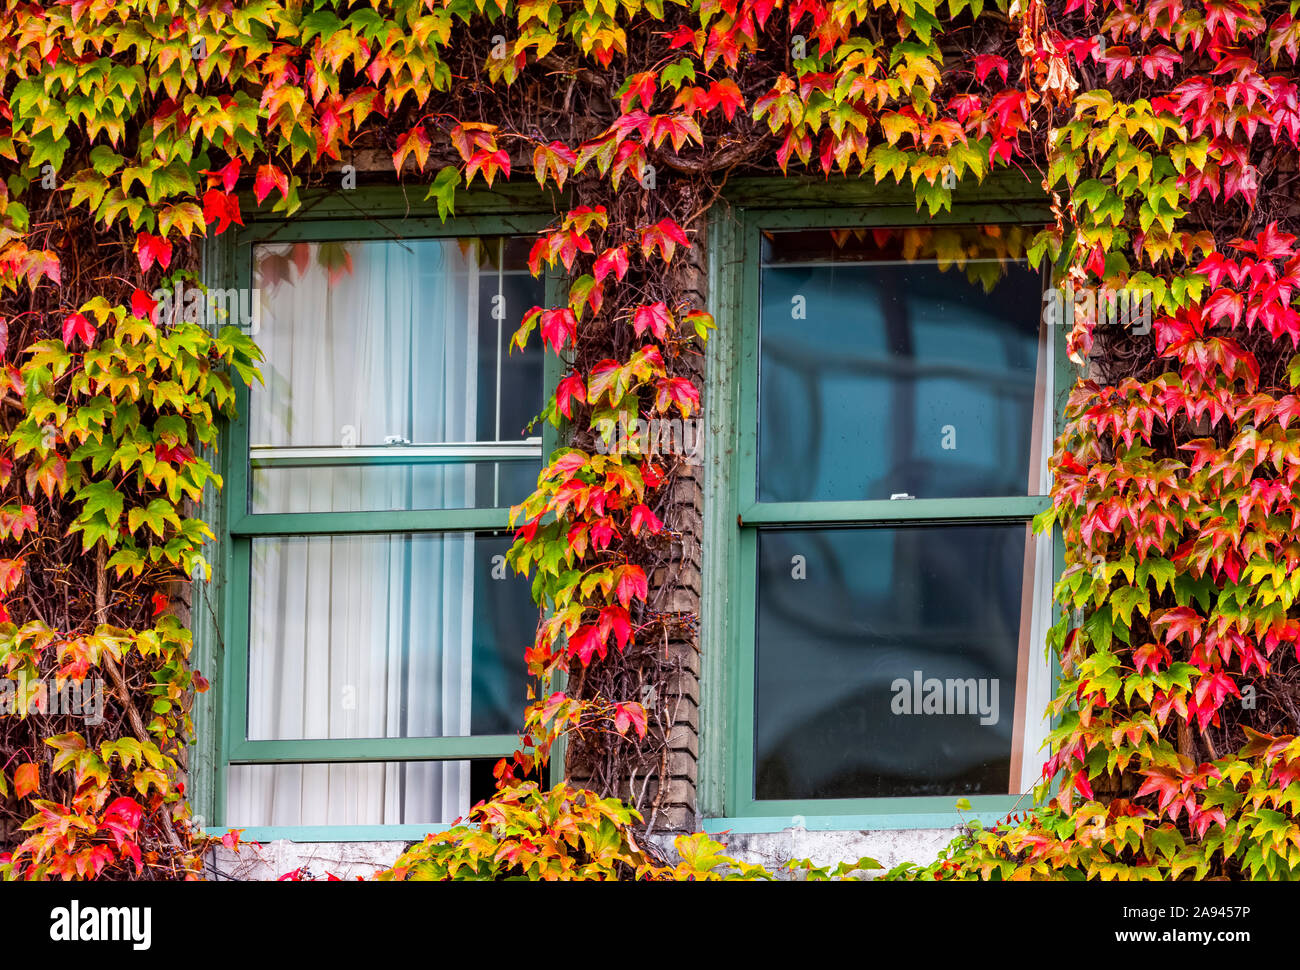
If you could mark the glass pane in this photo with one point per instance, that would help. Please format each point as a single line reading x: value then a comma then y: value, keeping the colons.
x: 386, y: 636
x: 392, y: 342
x: 378, y: 793
x: 900, y: 361
x: 889, y: 660
x: 382, y: 488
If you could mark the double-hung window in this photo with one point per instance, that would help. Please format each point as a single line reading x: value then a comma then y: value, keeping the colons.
x: 374, y: 634
x: 893, y: 382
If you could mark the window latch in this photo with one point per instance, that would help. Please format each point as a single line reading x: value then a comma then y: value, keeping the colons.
x: 900, y: 495
x: 396, y: 439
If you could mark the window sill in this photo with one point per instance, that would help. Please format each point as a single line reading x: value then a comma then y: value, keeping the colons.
x: 771, y: 824
x: 331, y: 833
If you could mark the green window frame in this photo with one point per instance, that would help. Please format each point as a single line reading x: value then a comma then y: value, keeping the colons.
x: 733, y: 513
x: 222, y: 605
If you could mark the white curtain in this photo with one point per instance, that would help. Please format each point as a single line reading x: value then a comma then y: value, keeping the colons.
x: 363, y: 636
x: 1034, y: 676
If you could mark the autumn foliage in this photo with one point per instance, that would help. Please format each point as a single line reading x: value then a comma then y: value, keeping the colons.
x: 1163, y: 132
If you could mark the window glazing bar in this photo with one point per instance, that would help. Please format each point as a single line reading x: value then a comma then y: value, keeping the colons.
x: 261, y: 456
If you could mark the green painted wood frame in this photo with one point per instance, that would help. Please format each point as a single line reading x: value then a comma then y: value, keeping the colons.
x: 725, y: 790
x: 221, y: 606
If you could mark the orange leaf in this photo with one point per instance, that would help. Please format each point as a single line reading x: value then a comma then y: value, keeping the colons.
x: 27, y: 779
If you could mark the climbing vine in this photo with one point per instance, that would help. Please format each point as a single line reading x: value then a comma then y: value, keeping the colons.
x: 1164, y: 133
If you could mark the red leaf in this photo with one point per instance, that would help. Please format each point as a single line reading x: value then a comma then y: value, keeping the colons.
x: 150, y: 248
x: 642, y: 516
x: 558, y: 325
x: 611, y: 261
x: 123, y: 818
x: 143, y: 305
x: 640, y: 87
x: 556, y: 158
x: 654, y: 318
x: 221, y: 208
x: 1097, y: 261
x: 227, y: 175
x: 14, y: 524
x: 666, y: 235
x: 727, y: 96
x: 176, y: 454
x: 1150, y: 655
x: 602, y: 532
x: 1081, y: 784
x: 76, y: 325
x: 679, y: 391
x: 630, y: 716
x: 964, y: 105
x: 1269, y: 244
x: 567, y: 391
x: 1210, y: 691
x: 11, y: 574
x: 585, y: 642
x: 984, y: 63
x: 680, y: 37
x: 269, y: 177
x: 631, y: 584
x: 615, y: 619
x: 569, y: 462
x: 489, y: 163
x: 1177, y: 621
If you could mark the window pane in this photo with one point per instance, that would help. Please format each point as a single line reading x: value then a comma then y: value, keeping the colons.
x: 890, y: 660
x: 887, y: 368
x: 382, y: 488
x: 386, y: 636
x: 379, y: 793
x: 391, y: 342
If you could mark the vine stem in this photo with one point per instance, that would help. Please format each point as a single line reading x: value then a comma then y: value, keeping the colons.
x: 119, y: 682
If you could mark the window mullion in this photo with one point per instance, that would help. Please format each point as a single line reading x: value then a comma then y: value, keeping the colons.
x: 450, y: 453
x: 370, y: 523
x: 340, y: 750
x: 898, y: 510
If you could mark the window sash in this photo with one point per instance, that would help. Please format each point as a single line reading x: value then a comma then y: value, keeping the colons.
x: 753, y: 224
x: 870, y: 511
x: 747, y: 513
x: 241, y: 525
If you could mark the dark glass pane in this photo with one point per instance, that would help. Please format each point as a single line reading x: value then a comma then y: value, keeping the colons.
x: 517, y: 376
x: 888, y: 368
x: 505, y: 622
x: 855, y: 626
x: 386, y: 636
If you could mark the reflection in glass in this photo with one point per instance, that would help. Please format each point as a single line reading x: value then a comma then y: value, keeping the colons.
x: 899, y: 361
x: 386, y: 636
x: 855, y: 626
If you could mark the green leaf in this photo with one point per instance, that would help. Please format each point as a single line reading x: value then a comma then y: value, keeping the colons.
x: 101, y: 497
x: 444, y: 191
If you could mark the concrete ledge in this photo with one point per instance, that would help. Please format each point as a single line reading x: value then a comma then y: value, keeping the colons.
x: 268, y: 861
x: 889, y: 847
